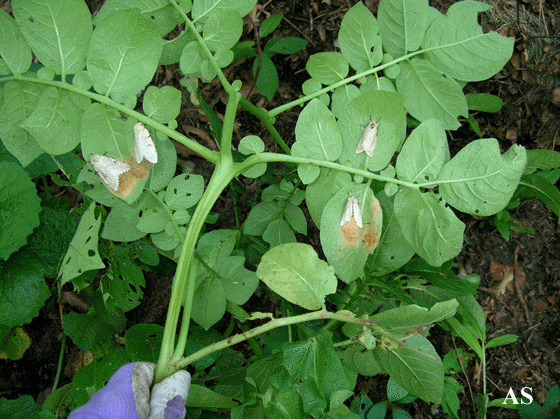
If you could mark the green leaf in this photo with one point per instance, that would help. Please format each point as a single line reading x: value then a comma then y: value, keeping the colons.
x: 173, y: 49
x: 393, y: 251
x: 162, y: 105
x: 318, y: 193
x: 19, y: 208
x: 428, y: 93
x: 372, y: 106
x: 534, y: 185
x: 121, y: 286
x: 238, y: 282
x: 209, y: 303
x: 20, y: 98
x: 286, y: 405
x: 200, y: 339
x: 315, y: 371
x: 443, y: 277
x: 431, y: 228
x: 251, y: 144
x: 22, y: 290
x: 87, y: 331
x: 424, y: 153
x: 82, y: 254
x: 123, y: 54
x: 55, y: 122
x: 153, y: 218
x: 270, y: 24
x: 501, y: 340
x: 267, y: 79
x: 143, y: 342
x: 260, y: 217
x: 49, y: 248
x: 278, y: 232
x: 58, y: 31
x: 13, y: 47
x: 296, y: 218
x: 341, y: 97
x: 327, y: 67
x: 401, y: 320
x: 285, y: 46
x: 221, y: 277
x: 184, y: 191
x: 160, y: 12
x: 203, y: 9
x: 104, y: 132
x: 317, y: 132
x: 402, y: 25
x: 358, y: 39
x: 222, y: 30
x: 164, y: 170
x: 203, y: 397
x: 192, y: 58
x: 457, y: 44
x: 450, y: 401
x: 15, y: 342
x: 121, y: 223
x: 484, y: 102
x: 542, y: 159
x: 23, y: 407
x: 467, y: 336
x: 296, y: 273
x: 415, y: 366
x: 480, y: 181
x: 348, y: 246
x: 363, y: 362
x: 95, y: 375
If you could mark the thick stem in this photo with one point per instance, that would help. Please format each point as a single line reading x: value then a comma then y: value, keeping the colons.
x: 223, y: 174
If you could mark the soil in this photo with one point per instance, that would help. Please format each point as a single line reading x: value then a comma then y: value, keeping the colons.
x: 527, y: 306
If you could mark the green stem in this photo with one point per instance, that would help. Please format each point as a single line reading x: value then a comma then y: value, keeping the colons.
x: 187, y: 310
x: 273, y: 157
x: 302, y: 100
x: 274, y: 323
x: 227, y: 129
x: 223, y: 174
x: 60, y: 359
x: 223, y: 80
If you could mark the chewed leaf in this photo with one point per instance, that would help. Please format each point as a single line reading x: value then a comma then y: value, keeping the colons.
x: 481, y: 181
x: 350, y: 229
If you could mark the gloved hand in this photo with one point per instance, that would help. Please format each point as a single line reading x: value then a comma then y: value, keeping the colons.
x: 127, y: 395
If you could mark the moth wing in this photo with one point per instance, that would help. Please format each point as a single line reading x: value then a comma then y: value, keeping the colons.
x: 109, y: 169
x: 356, y: 211
x: 144, y: 147
x: 347, y: 214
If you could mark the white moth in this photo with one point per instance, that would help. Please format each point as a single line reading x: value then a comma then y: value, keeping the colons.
x: 352, y: 209
x: 144, y: 147
x: 109, y: 169
x: 368, y: 140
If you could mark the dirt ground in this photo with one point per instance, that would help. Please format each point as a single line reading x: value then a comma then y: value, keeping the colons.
x: 529, y: 85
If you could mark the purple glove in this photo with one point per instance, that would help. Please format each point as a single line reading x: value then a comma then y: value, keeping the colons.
x: 127, y: 395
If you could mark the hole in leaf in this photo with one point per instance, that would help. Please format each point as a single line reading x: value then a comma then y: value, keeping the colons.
x: 91, y: 253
